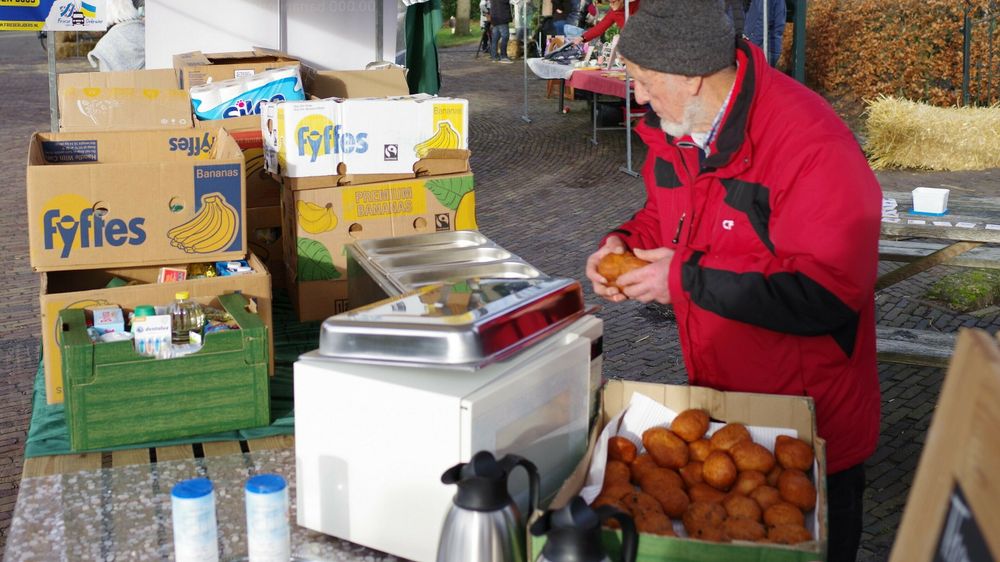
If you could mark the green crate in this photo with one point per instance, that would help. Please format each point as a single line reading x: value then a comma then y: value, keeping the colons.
x: 114, y: 396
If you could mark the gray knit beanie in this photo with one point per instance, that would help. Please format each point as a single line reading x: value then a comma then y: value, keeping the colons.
x: 686, y: 37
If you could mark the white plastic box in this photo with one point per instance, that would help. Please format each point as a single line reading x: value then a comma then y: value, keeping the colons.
x: 930, y: 200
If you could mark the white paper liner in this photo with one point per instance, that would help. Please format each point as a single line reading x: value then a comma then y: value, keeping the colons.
x: 643, y: 413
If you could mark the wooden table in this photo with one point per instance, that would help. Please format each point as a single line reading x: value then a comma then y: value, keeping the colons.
x: 971, y: 222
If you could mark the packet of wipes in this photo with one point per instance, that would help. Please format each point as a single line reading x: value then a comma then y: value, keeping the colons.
x: 243, y: 96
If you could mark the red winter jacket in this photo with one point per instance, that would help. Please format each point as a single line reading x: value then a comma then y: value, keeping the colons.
x: 616, y: 17
x: 776, y: 239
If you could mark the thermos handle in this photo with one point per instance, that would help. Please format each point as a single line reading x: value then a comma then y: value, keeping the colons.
x: 630, y: 539
x: 534, y: 483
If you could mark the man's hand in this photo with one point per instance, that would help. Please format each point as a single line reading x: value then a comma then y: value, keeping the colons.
x: 649, y: 283
x: 613, y: 245
x: 578, y: 39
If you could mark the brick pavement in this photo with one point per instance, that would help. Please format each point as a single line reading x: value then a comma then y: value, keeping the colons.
x: 544, y: 192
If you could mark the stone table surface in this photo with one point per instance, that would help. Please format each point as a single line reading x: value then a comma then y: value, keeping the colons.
x: 124, y: 513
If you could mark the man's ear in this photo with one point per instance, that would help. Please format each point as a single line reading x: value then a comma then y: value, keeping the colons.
x: 693, y: 84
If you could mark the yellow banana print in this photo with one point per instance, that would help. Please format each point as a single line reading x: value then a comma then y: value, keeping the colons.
x: 314, y: 218
x: 445, y: 137
x: 212, y: 229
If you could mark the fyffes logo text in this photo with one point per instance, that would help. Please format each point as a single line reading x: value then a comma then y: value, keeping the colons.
x: 70, y: 222
x: 318, y: 136
x: 193, y: 146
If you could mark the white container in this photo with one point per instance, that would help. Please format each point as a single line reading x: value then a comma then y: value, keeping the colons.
x: 268, y: 534
x: 371, y: 441
x: 930, y: 200
x: 192, y: 504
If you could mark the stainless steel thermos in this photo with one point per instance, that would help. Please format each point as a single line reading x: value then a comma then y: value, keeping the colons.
x: 573, y: 533
x: 484, y: 524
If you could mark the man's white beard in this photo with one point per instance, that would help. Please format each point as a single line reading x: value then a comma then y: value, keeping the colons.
x: 692, y: 111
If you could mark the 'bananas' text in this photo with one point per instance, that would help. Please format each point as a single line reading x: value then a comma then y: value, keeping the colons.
x: 91, y: 228
x: 331, y: 139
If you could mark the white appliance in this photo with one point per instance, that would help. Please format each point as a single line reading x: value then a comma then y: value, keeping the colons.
x: 371, y: 440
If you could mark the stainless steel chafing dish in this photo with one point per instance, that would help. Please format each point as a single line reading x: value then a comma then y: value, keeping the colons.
x: 467, y: 324
x: 393, y: 266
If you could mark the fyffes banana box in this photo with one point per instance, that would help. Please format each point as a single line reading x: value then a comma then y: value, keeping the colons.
x: 360, y: 135
x: 114, y: 199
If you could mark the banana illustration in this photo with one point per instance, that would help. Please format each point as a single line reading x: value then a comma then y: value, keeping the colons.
x: 212, y: 229
x: 315, y: 218
x: 445, y: 137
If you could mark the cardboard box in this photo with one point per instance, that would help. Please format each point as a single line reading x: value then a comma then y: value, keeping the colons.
x: 953, y: 511
x: 262, y: 189
x: 794, y: 412
x: 196, y: 68
x: 318, y: 223
x: 375, y: 83
x: 360, y: 135
x: 115, y: 199
x: 265, y: 240
x: 120, y: 101
x: 114, y: 396
x: 84, y: 289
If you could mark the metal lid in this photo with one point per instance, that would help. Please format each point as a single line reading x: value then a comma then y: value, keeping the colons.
x: 466, y: 324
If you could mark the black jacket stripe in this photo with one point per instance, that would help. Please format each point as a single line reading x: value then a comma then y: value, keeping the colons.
x: 789, y: 303
x: 753, y: 200
x: 665, y: 174
x: 734, y: 128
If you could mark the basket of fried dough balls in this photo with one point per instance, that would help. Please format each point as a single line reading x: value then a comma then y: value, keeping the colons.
x: 723, y: 488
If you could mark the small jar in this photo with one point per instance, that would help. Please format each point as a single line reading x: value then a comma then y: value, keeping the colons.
x: 268, y: 533
x: 193, y: 512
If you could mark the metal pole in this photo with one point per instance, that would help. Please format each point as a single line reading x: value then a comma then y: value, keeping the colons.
x: 50, y: 47
x: 966, y: 55
x: 524, y: 55
x: 379, y: 8
x: 767, y: 54
x: 627, y: 168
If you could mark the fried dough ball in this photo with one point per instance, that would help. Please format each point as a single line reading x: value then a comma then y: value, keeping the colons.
x: 641, y: 465
x: 793, y: 453
x: 766, y: 496
x: 743, y: 529
x: 640, y: 502
x: 772, y: 477
x: 621, y: 449
x: 660, y: 478
x: 691, y: 473
x: 750, y: 456
x: 748, y: 481
x: 616, y: 490
x: 789, y: 534
x: 705, y: 521
x: 673, y: 500
x: 702, y: 492
x: 700, y: 449
x: 690, y: 425
x: 654, y: 523
x: 742, y: 506
x: 668, y: 450
x: 616, y: 471
x: 783, y: 513
x: 729, y: 435
x: 718, y: 470
x: 614, y: 265
x: 796, y: 489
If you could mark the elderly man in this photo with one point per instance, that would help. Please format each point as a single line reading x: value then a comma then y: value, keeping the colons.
x: 761, y: 224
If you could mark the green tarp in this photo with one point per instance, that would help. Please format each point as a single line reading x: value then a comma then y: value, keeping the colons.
x: 423, y: 20
x: 47, y: 433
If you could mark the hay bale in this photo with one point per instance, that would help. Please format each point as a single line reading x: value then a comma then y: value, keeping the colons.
x: 907, y: 134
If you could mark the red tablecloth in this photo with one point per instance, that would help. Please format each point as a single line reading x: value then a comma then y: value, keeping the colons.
x: 606, y: 82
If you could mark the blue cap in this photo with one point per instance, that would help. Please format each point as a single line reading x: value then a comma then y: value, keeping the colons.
x: 192, y: 489
x: 265, y: 484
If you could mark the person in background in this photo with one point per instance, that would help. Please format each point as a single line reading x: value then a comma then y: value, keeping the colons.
x: 500, y: 17
x: 761, y: 225
x: 615, y: 16
x: 560, y: 12
x: 123, y: 46
x: 753, y: 26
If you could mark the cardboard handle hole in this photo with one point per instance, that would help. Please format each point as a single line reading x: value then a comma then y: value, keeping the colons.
x: 100, y: 209
x: 420, y: 224
x: 177, y: 204
x: 355, y: 230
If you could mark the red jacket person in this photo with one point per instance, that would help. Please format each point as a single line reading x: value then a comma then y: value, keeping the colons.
x: 762, y: 223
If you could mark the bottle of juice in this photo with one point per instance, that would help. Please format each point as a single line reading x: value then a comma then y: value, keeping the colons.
x: 186, y: 316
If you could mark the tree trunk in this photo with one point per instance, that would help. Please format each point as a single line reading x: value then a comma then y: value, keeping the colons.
x: 462, y: 17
